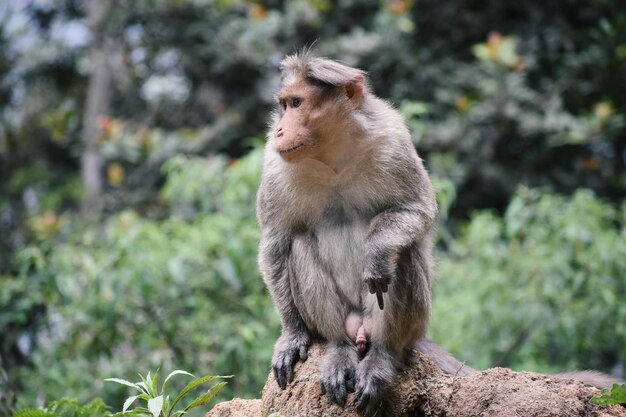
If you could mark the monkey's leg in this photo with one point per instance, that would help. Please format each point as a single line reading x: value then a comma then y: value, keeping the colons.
x: 392, y: 330
x: 337, y: 371
x: 292, y: 345
x: 326, y: 311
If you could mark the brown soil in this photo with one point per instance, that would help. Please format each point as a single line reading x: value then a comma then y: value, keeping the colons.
x: 423, y: 390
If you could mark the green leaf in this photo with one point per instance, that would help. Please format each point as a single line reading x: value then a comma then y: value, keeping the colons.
x: 206, y: 397
x: 32, y: 412
x: 616, y: 395
x: 155, y: 405
x: 146, y: 389
x: 154, y: 382
x: 137, y: 411
x: 128, y: 402
x: 148, y: 383
x: 125, y: 382
x: 174, y: 373
x: 195, y: 383
x: 166, y: 406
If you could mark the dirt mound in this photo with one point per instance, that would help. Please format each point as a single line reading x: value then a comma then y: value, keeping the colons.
x: 423, y: 390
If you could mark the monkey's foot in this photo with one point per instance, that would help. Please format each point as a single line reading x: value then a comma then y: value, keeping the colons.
x: 337, y: 371
x: 290, y: 347
x: 374, y: 375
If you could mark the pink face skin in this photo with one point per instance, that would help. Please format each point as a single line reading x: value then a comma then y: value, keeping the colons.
x: 309, y: 120
x: 356, y: 330
x: 299, y: 133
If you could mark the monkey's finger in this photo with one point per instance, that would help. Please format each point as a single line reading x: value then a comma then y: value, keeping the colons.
x: 288, y: 373
x: 338, y: 388
x: 280, y: 380
x: 381, y: 301
x: 341, y: 394
x: 362, y: 400
x: 304, y: 354
x: 350, y: 380
x: 371, y: 287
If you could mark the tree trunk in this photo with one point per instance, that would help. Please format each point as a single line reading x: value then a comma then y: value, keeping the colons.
x: 97, y: 106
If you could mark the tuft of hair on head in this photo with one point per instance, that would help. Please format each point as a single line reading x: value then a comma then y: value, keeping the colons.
x: 304, y: 65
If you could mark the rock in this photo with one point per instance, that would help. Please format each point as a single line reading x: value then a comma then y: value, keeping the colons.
x: 236, y: 408
x: 423, y: 390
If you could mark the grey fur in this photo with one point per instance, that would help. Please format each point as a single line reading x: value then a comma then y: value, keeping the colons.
x: 593, y: 378
x: 317, y: 69
x: 329, y: 240
x: 446, y: 362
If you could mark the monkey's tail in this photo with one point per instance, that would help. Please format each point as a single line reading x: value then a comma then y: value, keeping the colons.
x: 593, y: 378
x: 446, y: 362
x: 451, y: 366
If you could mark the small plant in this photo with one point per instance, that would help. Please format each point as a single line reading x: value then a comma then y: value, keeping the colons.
x: 67, y: 407
x: 615, y: 396
x: 158, y: 405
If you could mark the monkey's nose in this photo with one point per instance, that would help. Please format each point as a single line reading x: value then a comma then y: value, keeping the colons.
x: 279, y: 132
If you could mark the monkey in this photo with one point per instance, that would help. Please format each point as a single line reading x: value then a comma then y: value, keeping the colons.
x: 347, y: 212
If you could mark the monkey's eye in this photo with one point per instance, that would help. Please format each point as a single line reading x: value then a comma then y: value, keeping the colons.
x: 295, y: 101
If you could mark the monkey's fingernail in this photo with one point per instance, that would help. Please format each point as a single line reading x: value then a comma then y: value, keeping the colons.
x: 381, y: 303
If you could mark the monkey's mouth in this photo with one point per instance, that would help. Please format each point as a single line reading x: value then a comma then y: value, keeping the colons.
x: 288, y: 150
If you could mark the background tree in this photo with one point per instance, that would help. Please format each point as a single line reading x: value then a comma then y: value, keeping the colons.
x: 97, y: 106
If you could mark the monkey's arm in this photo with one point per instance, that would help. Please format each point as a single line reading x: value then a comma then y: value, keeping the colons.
x: 292, y: 345
x: 390, y: 231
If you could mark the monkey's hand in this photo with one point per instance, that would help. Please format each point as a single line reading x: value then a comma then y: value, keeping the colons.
x: 378, y: 275
x: 290, y: 347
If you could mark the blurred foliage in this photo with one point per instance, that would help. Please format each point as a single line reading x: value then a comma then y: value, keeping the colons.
x: 136, y: 293
x: 615, y: 395
x: 496, y: 94
x: 67, y: 407
x: 544, y: 284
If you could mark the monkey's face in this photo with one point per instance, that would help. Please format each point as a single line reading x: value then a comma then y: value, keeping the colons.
x: 303, y: 121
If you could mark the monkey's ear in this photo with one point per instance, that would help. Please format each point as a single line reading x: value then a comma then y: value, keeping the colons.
x: 354, y: 90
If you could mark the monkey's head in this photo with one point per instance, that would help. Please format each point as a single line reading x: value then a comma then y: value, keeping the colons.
x: 315, y: 105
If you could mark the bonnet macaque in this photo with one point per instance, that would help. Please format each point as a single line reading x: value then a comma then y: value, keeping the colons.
x: 346, y: 210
